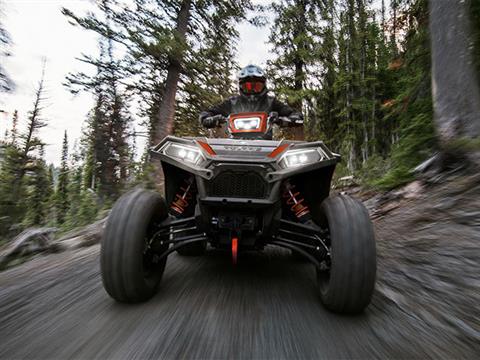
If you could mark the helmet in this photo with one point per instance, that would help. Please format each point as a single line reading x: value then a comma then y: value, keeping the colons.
x: 252, y: 81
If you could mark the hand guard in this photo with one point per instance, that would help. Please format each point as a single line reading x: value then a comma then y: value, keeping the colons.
x: 296, y: 119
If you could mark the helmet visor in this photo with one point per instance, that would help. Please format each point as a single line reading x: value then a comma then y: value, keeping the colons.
x: 252, y: 87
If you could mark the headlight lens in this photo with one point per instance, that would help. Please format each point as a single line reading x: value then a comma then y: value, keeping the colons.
x: 295, y: 158
x: 251, y: 123
x: 183, y: 153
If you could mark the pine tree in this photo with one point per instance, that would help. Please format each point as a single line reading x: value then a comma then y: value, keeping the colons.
x: 207, y: 79
x: 88, y: 207
x: 296, y: 41
x: 39, y: 193
x: 160, y: 37
x: 19, y: 160
x: 50, y: 207
x: 11, y: 210
x: 412, y: 105
x: 74, y: 197
x: 61, y: 196
x: 106, y: 137
x: 324, y: 124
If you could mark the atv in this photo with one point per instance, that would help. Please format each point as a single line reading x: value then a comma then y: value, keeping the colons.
x: 242, y: 193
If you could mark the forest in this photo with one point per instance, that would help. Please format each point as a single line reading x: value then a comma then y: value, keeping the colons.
x: 360, y: 71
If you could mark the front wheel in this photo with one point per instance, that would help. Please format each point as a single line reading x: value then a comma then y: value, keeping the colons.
x: 347, y: 286
x: 130, y: 269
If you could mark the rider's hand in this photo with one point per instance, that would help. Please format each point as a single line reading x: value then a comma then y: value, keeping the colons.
x: 212, y: 121
x: 273, y: 117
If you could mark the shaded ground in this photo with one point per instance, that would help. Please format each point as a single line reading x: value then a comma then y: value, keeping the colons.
x: 426, y: 303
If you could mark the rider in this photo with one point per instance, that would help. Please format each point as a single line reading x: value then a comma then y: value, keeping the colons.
x: 253, y: 97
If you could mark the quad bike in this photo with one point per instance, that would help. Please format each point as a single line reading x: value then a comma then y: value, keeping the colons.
x: 239, y: 194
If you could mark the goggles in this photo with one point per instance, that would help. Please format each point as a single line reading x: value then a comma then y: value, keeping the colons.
x: 252, y: 87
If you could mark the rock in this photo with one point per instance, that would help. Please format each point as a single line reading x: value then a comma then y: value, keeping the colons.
x: 412, y: 190
x: 30, y: 241
x: 86, y: 236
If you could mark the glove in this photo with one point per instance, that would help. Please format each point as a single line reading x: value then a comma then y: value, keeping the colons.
x: 212, y: 121
x: 273, y: 117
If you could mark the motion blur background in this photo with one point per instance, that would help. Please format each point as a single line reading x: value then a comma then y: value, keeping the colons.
x: 87, y: 86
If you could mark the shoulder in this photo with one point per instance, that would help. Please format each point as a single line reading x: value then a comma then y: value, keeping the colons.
x: 272, y: 98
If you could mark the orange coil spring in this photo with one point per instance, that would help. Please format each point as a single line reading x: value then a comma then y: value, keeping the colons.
x: 295, y: 202
x: 182, y: 198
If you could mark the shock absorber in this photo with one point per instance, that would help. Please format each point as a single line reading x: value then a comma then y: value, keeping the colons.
x: 296, y: 202
x: 182, y: 198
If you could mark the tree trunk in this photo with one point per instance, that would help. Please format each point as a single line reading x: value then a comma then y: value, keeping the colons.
x: 455, y: 83
x: 166, y: 112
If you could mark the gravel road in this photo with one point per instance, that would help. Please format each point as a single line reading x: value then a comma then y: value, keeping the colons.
x: 54, y: 306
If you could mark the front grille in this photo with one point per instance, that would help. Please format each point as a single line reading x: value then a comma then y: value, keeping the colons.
x: 238, y: 184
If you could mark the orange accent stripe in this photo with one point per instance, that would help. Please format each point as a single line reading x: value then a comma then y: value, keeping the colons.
x: 234, y: 250
x: 206, y: 147
x: 278, y: 150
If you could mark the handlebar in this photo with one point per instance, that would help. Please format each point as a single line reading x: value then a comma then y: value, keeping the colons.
x: 273, y: 118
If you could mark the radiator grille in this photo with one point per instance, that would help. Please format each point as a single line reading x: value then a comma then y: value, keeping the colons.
x: 239, y: 184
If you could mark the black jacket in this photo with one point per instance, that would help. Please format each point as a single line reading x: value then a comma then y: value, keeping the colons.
x: 240, y: 104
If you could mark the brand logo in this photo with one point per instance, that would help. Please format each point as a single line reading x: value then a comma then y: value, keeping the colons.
x: 243, y: 148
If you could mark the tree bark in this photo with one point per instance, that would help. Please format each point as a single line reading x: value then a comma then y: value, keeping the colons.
x: 455, y: 83
x: 166, y: 112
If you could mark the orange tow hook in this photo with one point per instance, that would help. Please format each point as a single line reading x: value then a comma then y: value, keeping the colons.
x: 234, y: 250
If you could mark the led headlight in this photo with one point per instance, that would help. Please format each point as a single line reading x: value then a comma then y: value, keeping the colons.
x: 295, y: 158
x: 183, y: 153
x: 251, y: 123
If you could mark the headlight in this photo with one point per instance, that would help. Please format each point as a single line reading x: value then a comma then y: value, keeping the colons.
x: 295, y: 158
x: 247, y: 123
x: 183, y: 153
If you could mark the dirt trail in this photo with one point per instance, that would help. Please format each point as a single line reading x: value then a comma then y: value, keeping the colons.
x: 425, y: 305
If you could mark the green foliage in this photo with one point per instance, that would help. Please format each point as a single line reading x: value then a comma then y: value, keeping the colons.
x: 38, y: 194
x: 12, y: 188
x: 295, y: 37
x: 364, y: 84
x: 88, y: 207
x: 207, y: 79
x: 20, y: 166
x: 372, y: 170
x: 413, y: 105
x: 105, y: 142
